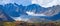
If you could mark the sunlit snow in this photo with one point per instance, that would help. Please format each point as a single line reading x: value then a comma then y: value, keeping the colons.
x: 33, y: 14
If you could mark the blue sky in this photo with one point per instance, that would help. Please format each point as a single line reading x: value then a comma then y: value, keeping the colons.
x: 23, y: 2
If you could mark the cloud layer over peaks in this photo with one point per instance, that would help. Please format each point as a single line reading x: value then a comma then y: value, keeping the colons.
x: 46, y: 3
x: 43, y: 3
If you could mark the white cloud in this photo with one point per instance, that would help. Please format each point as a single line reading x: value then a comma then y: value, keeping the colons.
x: 46, y: 3
x: 33, y: 14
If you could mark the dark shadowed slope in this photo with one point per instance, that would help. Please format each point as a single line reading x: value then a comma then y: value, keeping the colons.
x: 4, y: 16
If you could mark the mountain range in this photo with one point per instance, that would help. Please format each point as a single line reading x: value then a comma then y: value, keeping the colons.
x: 15, y: 10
